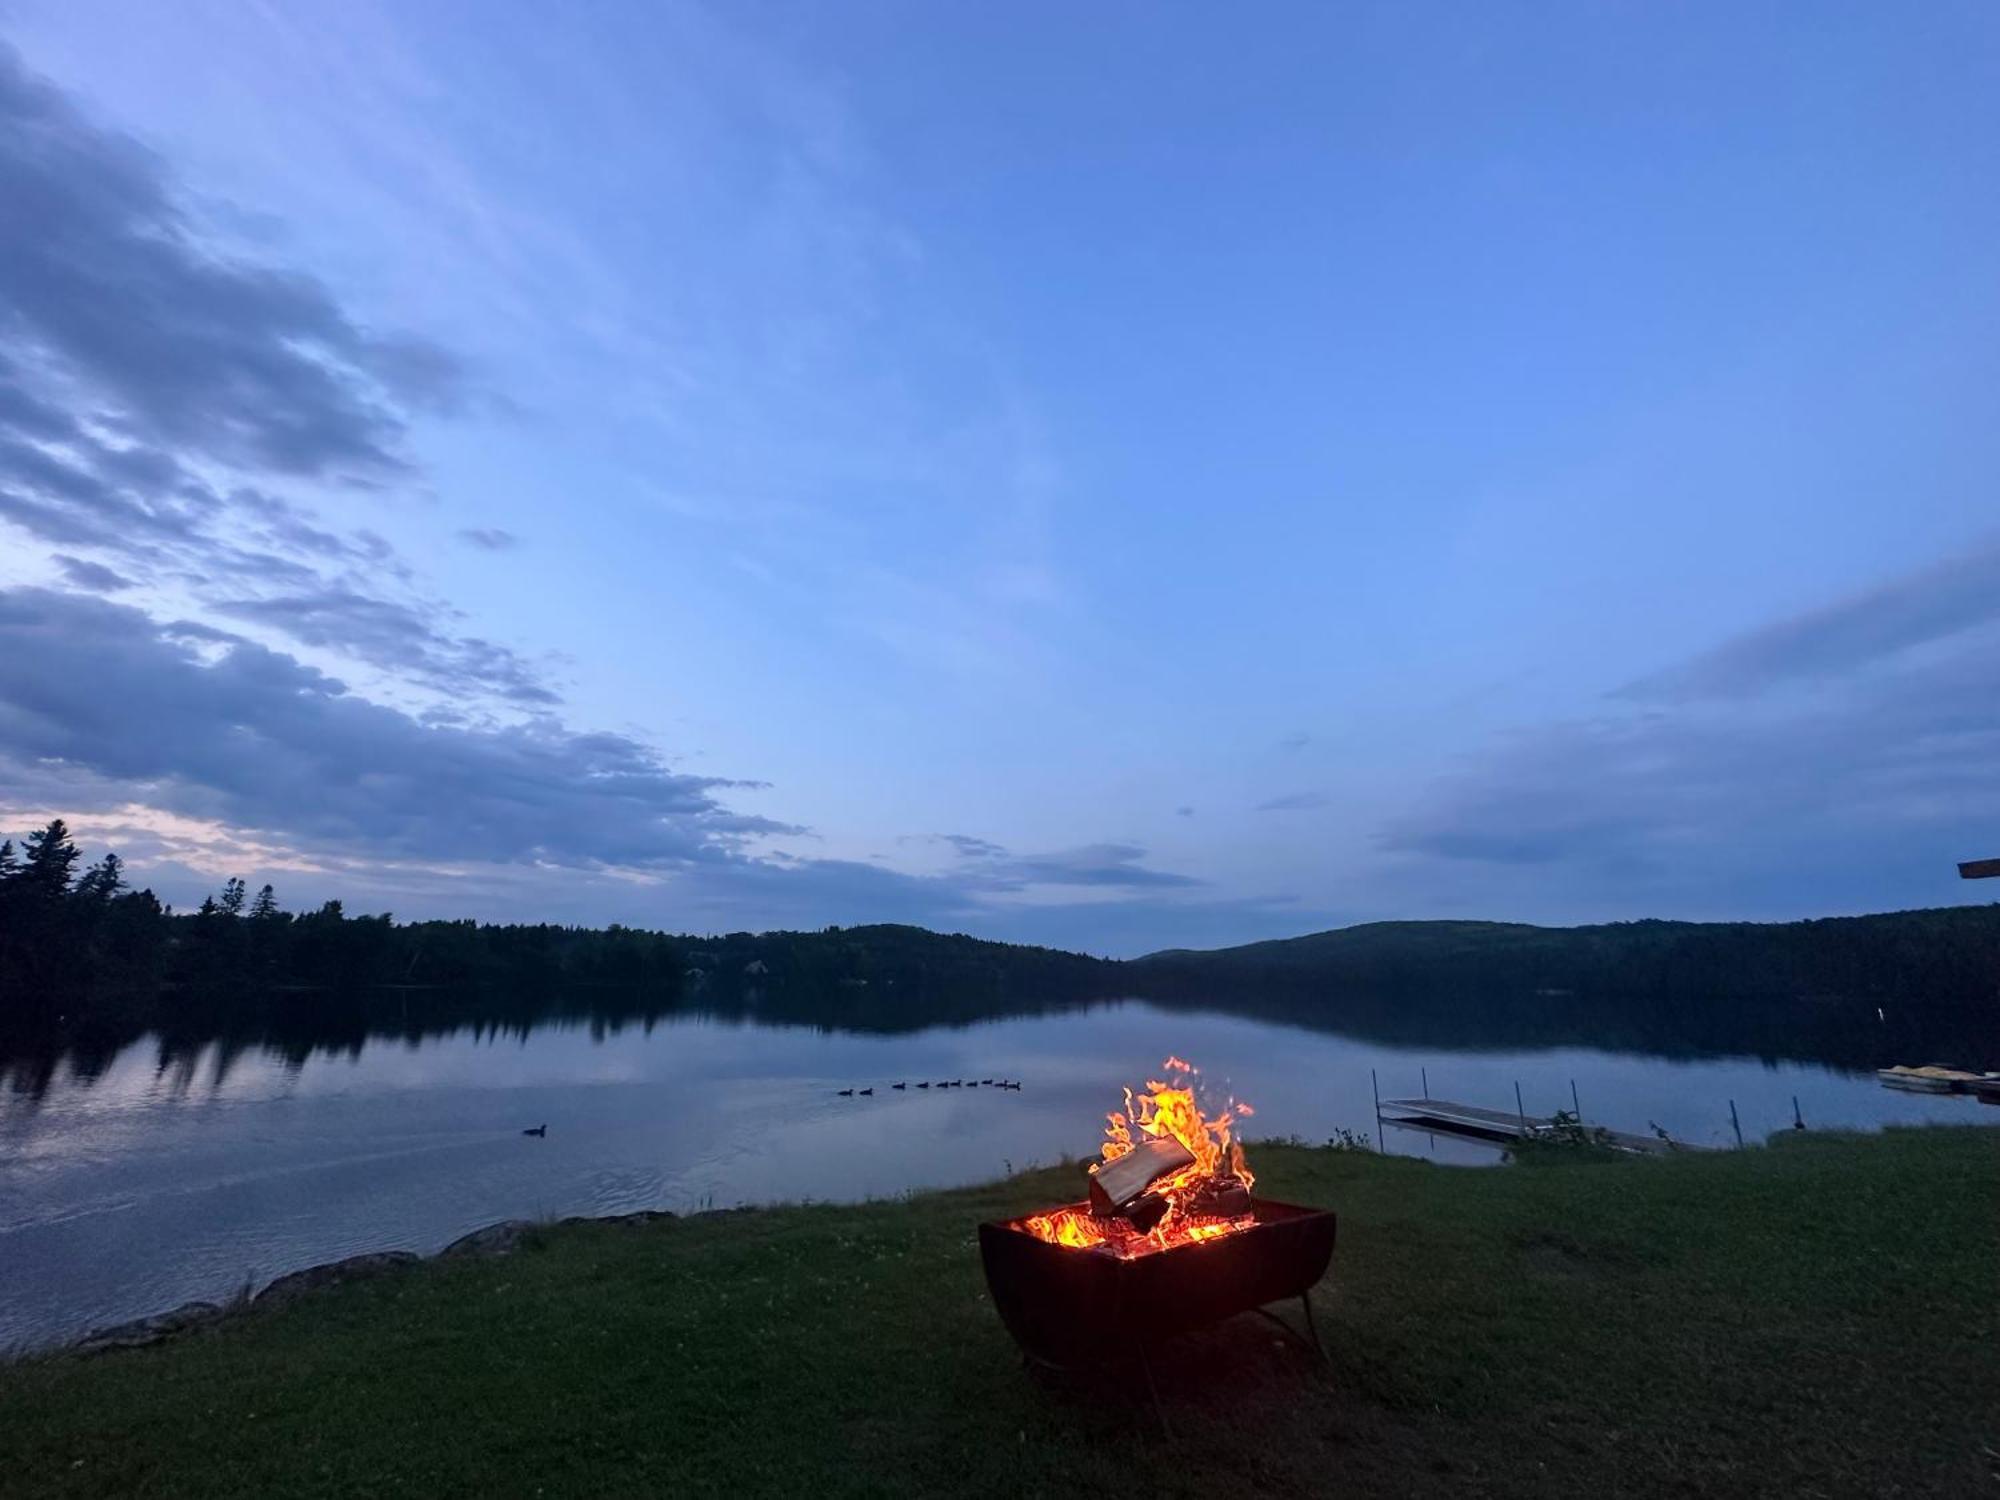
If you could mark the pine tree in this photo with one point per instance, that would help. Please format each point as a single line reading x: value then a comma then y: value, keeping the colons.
x: 265, y: 906
x: 102, y: 881
x: 10, y: 865
x: 232, y: 896
x: 50, y: 854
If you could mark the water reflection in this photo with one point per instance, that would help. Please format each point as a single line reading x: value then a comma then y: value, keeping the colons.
x: 136, y: 1176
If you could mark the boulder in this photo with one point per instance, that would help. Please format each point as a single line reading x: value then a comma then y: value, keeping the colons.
x: 642, y: 1216
x: 312, y: 1278
x: 495, y: 1239
x: 142, y: 1331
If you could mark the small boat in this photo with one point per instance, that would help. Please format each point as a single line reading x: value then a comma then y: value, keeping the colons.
x: 1928, y: 1080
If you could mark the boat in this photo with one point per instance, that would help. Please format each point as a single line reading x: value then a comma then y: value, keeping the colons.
x: 1987, y: 1089
x: 1933, y: 1079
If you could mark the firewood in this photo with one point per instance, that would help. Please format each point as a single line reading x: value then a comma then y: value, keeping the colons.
x: 1145, y: 1211
x: 1116, y: 1183
x: 1228, y: 1199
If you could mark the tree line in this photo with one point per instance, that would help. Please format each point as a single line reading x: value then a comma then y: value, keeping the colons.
x: 80, y: 950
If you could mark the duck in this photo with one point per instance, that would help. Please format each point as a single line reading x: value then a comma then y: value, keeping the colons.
x: 847, y: 1093
x: 923, y: 1085
x: 536, y: 1130
x: 866, y: 1092
x: 985, y: 1083
x: 898, y: 1085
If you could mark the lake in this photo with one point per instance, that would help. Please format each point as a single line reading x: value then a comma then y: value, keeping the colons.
x: 153, y: 1176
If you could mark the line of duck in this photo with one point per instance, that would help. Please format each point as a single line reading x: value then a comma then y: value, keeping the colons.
x: 954, y: 1083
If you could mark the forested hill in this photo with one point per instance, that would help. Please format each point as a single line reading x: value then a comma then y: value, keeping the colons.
x: 82, y: 955
x: 1946, y: 955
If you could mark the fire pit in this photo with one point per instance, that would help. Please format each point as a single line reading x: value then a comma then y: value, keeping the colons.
x: 1169, y: 1240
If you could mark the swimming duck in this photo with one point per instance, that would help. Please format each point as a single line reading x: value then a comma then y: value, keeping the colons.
x: 866, y: 1092
x: 847, y: 1093
x: 536, y: 1130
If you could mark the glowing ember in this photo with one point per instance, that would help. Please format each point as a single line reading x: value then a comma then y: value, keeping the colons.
x: 1201, y: 1198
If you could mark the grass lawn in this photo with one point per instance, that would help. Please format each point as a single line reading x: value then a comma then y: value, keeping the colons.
x: 1821, y: 1317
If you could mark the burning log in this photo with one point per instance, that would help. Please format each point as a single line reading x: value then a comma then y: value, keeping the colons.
x: 1115, y: 1184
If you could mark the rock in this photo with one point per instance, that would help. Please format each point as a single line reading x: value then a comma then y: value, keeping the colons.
x: 312, y: 1278
x: 642, y: 1216
x: 142, y: 1331
x: 495, y: 1239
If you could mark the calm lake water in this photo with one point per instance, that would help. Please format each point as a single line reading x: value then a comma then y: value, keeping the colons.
x: 145, y: 1185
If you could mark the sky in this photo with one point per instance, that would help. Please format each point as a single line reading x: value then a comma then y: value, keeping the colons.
x: 1119, y: 477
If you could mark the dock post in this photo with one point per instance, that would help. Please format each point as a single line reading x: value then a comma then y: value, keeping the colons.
x: 1736, y: 1124
x: 1425, y: 1074
x: 1375, y: 1087
x: 1798, y: 1120
x: 1520, y: 1108
x: 1575, y: 1103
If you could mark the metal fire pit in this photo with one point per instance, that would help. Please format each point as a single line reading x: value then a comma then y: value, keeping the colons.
x: 1068, y: 1307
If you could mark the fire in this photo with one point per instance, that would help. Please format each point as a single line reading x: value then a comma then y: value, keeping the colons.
x: 1167, y: 1107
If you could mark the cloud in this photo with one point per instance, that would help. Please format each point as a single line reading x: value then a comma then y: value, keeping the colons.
x: 1822, y: 755
x: 193, y: 721
x: 489, y: 538
x: 252, y: 761
x: 111, y: 290
x: 1293, y: 802
x: 1925, y: 606
x: 1107, y: 866
x: 89, y: 575
x: 152, y: 387
x: 397, y: 637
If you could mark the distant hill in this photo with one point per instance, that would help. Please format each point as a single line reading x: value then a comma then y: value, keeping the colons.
x: 1855, y: 992
x: 1945, y: 955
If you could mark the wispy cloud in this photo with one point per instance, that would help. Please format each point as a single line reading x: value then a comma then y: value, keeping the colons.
x: 1932, y: 604
x: 1114, y: 866
x: 1848, y: 752
x: 236, y: 732
x: 154, y: 388
x: 1293, y: 802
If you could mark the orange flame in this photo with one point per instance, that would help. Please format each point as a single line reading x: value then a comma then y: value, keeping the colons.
x: 1163, y: 1109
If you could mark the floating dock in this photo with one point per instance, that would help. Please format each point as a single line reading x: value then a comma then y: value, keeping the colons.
x: 1503, y: 1127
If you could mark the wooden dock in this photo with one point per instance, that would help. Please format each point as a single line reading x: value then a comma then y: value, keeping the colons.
x: 1501, y: 1126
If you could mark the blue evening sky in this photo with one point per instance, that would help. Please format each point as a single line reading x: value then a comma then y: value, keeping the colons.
x: 1117, y: 476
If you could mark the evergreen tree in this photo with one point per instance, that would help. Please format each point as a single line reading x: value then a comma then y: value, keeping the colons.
x: 209, y: 908
x: 50, y: 854
x: 232, y: 896
x: 10, y: 864
x: 265, y: 907
x: 102, y: 881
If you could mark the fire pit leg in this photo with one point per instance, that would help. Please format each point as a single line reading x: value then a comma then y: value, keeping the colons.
x: 1306, y: 1298
x: 1313, y: 1343
x: 1159, y: 1411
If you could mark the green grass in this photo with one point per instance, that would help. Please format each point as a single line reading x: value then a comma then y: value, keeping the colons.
x: 1817, y: 1318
